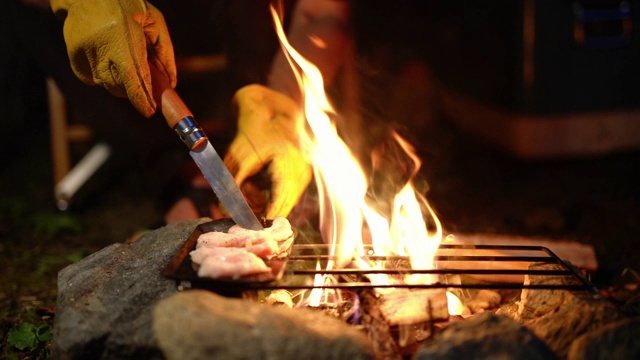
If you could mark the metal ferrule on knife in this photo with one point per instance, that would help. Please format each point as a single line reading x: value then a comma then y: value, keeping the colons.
x: 190, y: 133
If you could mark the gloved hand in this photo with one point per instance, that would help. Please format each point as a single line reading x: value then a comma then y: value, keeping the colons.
x: 267, y: 122
x: 110, y: 42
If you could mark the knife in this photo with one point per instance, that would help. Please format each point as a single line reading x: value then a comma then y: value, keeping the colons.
x: 181, y: 120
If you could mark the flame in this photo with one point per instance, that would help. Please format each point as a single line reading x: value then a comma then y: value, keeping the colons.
x: 455, y: 305
x: 315, y: 298
x: 318, y: 42
x: 342, y: 186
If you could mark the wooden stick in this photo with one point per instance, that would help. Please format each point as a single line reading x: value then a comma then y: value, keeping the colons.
x: 169, y: 102
x: 384, y: 345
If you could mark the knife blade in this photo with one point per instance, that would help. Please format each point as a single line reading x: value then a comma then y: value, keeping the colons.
x: 225, y: 187
x: 180, y: 118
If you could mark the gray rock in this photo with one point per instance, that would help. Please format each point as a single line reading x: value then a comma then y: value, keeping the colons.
x: 485, y: 336
x: 558, y: 317
x: 197, y: 324
x: 104, y: 305
x: 618, y: 340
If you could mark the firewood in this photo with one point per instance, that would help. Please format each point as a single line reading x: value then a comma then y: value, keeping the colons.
x: 414, y: 306
x: 484, y: 299
x: 384, y: 345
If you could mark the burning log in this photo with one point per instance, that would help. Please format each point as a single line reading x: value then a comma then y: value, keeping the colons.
x: 407, y: 306
x: 399, y: 321
x: 384, y: 345
x: 483, y: 300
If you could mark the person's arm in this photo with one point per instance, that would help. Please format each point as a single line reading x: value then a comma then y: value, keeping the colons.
x: 110, y: 43
x: 319, y: 31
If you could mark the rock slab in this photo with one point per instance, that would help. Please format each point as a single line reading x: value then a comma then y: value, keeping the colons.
x: 618, y: 340
x: 197, y: 324
x: 558, y: 317
x: 485, y: 336
x: 105, y: 301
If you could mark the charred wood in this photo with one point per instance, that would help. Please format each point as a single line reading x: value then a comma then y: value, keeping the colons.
x: 384, y: 345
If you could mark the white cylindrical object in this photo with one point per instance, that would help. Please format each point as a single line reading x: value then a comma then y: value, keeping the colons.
x: 80, y: 173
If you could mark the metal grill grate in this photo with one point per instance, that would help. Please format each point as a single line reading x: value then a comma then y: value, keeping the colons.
x: 304, y: 258
x: 298, y: 270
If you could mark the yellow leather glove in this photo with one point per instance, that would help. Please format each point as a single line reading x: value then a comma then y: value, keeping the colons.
x: 110, y: 42
x: 267, y: 122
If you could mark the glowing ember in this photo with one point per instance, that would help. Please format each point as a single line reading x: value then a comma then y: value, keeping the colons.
x: 342, y: 186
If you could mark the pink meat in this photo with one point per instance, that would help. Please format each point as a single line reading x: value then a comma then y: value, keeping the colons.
x: 239, y: 252
x: 221, y: 239
x: 279, y: 230
x: 263, y: 248
x: 264, y: 243
x: 224, y: 262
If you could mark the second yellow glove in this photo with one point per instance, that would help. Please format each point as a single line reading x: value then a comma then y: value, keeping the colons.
x: 267, y: 122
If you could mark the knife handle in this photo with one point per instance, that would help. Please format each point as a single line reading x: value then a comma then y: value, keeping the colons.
x: 175, y: 111
x: 168, y: 100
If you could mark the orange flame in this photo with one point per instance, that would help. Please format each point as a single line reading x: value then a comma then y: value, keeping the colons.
x: 315, y: 298
x: 455, y: 305
x: 342, y: 187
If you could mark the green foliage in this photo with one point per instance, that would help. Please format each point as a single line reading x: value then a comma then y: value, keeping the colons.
x: 50, y: 224
x: 49, y: 262
x: 31, y: 338
x: 13, y: 207
x: 75, y: 257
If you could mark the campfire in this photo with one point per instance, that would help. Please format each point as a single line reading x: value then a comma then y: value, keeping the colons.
x: 380, y: 280
x: 351, y: 215
x: 382, y: 262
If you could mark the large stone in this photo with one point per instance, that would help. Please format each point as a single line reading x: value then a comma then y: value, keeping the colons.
x: 105, y: 301
x: 485, y: 336
x: 558, y: 317
x: 618, y: 340
x: 198, y: 324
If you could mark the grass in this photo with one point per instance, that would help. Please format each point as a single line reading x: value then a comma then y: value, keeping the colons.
x: 30, y: 266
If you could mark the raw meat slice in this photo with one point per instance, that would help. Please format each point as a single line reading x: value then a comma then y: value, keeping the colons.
x: 279, y: 230
x: 264, y: 243
x: 224, y: 262
x: 222, y: 239
x: 239, y: 252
